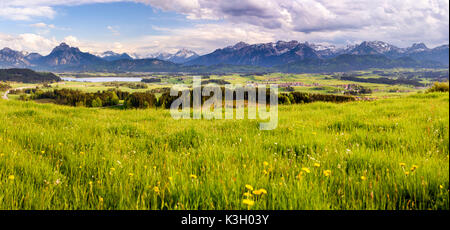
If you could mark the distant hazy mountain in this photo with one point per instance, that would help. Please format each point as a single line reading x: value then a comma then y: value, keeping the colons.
x: 112, y: 56
x: 279, y: 53
x: 291, y: 56
x: 64, y: 56
x: 266, y: 54
x: 351, y: 62
x: 181, y: 56
x: 12, y: 58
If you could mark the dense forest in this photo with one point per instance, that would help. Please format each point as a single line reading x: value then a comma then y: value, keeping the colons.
x: 27, y: 76
x: 148, y: 99
x: 383, y: 80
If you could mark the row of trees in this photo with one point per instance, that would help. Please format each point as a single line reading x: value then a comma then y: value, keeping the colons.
x: 79, y: 98
x: 300, y: 98
x: 130, y: 85
x: 144, y: 100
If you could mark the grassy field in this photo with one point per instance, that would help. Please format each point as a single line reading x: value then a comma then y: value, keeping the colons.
x: 384, y: 154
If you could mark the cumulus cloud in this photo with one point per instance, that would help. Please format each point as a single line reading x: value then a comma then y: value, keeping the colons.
x: 28, y: 42
x: 26, y: 13
x: 400, y: 22
x: 42, y: 25
x: 114, y: 30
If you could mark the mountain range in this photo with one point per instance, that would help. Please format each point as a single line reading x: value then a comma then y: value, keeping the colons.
x: 291, y: 56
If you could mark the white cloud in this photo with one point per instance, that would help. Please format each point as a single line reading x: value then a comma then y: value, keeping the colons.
x: 26, y: 13
x: 28, y: 42
x: 400, y: 22
x: 114, y: 30
x: 42, y: 25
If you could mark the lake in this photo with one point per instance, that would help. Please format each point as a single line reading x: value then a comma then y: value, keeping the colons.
x: 102, y: 79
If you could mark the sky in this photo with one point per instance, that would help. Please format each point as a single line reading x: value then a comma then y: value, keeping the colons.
x: 148, y: 26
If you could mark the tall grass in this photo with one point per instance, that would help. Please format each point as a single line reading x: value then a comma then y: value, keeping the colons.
x: 386, y: 154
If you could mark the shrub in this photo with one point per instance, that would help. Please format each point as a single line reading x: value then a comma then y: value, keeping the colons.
x: 438, y: 87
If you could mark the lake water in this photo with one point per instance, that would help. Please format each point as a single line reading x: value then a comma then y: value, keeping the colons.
x: 102, y: 79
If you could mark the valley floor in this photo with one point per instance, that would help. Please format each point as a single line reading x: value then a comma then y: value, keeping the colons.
x: 383, y: 154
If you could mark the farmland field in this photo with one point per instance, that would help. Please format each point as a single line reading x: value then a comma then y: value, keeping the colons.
x: 390, y: 153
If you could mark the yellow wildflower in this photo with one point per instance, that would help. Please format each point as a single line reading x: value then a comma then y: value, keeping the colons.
x: 130, y: 174
x: 306, y: 170
x: 248, y: 202
x: 193, y: 176
x: 260, y: 192
x: 257, y: 192
x: 407, y: 173
x: 249, y: 187
x: 441, y: 186
x: 170, y: 178
x: 156, y: 189
x: 100, y: 199
x: 316, y: 165
x: 326, y: 173
x: 414, y: 167
x: 247, y: 194
x: 265, y: 163
x: 402, y: 164
x: 11, y: 177
x: 363, y: 178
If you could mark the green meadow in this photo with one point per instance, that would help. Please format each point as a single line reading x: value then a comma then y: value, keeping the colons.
x: 386, y: 154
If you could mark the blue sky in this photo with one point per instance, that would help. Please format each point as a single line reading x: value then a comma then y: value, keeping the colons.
x: 148, y: 26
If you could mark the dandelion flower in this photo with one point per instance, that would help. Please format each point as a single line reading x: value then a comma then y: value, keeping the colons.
x: 407, y: 173
x: 260, y: 192
x: 130, y: 174
x: 11, y: 177
x: 402, y: 164
x: 156, y: 189
x: 316, y: 165
x: 248, y: 202
x: 441, y: 186
x: 257, y: 192
x: 414, y: 167
x: 327, y: 173
x: 363, y: 178
x: 247, y: 194
x: 266, y: 163
x: 170, y: 178
x: 193, y: 176
x: 100, y: 199
x: 306, y: 170
x: 249, y: 187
